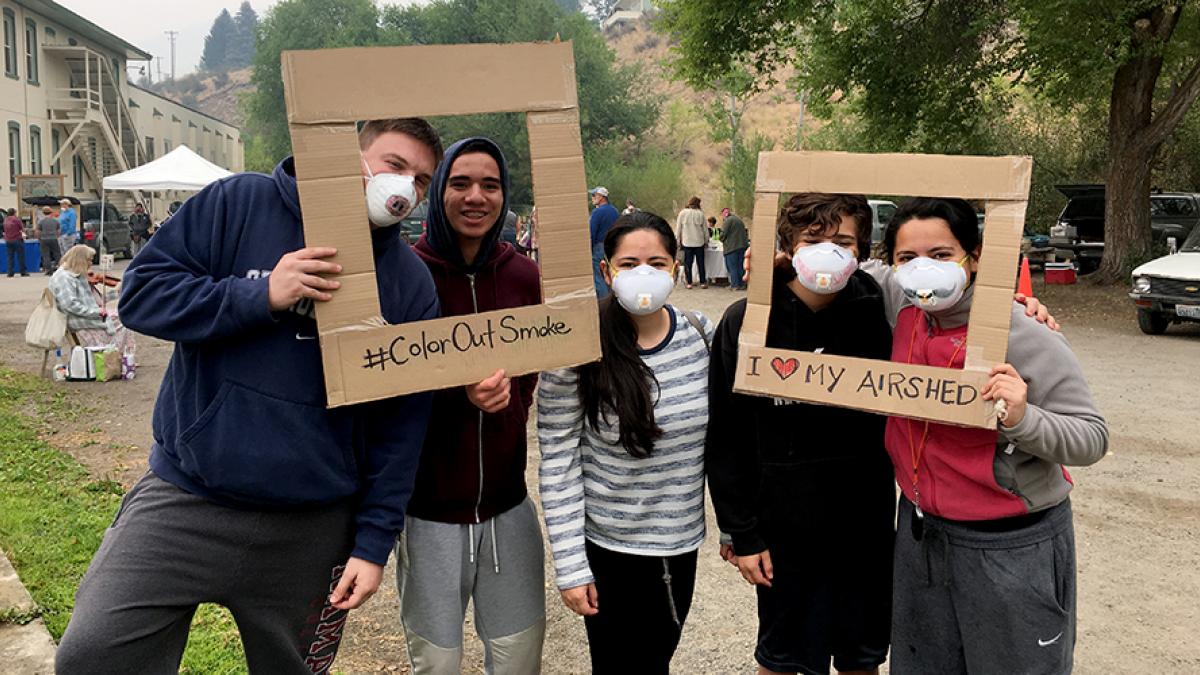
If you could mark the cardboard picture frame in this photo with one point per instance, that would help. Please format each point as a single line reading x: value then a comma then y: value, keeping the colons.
x: 327, y: 93
x: 941, y: 394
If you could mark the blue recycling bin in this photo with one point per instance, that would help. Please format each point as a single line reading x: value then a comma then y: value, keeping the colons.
x: 33, y: 257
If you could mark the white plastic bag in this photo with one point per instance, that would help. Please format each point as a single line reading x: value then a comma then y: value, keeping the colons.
x: 82, y: 365
x: 47, y: 326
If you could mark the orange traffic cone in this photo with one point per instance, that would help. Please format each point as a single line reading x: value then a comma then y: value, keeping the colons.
x: 1024, y: 280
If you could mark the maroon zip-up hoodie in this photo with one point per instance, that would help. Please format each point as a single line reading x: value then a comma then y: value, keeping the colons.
x: 473, y: 463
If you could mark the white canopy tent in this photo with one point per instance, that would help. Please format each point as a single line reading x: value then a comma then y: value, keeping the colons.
x: 180, y: 169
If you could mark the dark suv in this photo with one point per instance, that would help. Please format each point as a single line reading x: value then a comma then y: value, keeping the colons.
x: 1079, y: 233
x: 116, y: 229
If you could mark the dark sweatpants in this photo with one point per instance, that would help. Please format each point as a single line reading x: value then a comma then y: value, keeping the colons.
x: 168, y: 550
x: 972, y: 601
x: 643, y: 603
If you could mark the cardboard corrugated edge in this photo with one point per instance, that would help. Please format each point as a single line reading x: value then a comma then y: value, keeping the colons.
x: 327, y: 159
x: 1003, y: 181
x: 460, y: 79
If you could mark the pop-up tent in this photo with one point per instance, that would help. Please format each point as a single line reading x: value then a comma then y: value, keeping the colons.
x: 179, y: 169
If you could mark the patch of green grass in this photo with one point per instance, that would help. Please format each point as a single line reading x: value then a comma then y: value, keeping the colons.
x: 53, y: 516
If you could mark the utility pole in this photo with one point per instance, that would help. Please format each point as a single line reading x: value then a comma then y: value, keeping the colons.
x: 803, y: 100
x: 158, y: 60
x: 171, y: 34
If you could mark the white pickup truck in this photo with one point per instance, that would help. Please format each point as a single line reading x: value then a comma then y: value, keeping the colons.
x: 1167, y: 290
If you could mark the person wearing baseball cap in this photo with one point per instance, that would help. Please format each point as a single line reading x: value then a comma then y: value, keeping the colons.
x: 68, y: 234
x: 603, y: 216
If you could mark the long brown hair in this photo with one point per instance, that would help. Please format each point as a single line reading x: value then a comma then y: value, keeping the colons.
x: 621, y: 383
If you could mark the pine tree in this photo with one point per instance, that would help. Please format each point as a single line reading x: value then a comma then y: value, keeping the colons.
x: 241, y: 53
x: 218, y: 42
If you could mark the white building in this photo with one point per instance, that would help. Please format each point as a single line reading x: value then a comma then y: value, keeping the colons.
x: 69, y: 108
x: 627, y: 11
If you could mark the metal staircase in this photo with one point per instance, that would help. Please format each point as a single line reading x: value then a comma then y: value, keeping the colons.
x: 93, y: 106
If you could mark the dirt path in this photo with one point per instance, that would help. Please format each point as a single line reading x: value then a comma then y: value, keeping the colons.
x: 1137, y: 512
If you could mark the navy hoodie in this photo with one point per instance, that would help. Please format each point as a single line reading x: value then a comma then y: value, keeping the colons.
x: 241, y: 417
x: 473, y: 467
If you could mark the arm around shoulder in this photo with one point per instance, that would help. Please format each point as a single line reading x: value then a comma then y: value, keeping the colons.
x: 1062, y: 423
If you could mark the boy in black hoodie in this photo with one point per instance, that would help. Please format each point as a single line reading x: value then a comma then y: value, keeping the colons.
x: 806, y: 491
x: 258, y: 497
x: 473, y: 532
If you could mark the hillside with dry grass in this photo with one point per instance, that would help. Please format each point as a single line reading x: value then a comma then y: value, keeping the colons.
x: 682, y: 124
x: 212, y: 94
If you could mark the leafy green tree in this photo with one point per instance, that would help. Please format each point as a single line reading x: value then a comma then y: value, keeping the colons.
x: 297, y: 24
x: 241, y: 49
x: 923, y: 74
x: 217, y: 42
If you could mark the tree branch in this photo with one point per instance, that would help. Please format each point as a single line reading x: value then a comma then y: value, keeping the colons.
x: 1177, y: 106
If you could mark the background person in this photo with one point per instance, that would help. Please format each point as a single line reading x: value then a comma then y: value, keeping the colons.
x: 602, y: 218
x: 692, y: 232
x: 735, y: 241
x: 139, y: 228
x: 985, y: 543
x: 93, y: 325
x: 14, y: 242
x: 68, y: 222
x: 622, y: 472
x: 47, y: 231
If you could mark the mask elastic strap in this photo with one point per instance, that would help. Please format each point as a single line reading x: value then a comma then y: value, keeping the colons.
x: 370, y: 174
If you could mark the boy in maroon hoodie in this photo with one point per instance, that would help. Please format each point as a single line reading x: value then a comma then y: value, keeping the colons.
x: 472, y: 531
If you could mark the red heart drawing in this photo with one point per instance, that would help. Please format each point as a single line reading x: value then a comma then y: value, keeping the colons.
x: 784, y: 369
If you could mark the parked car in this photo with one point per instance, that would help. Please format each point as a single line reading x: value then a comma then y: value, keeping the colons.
x: 413, y: 224
x: 1167, y: 290
x: 1079, y: 233
x: 881, y: 214
x: 116, y: 229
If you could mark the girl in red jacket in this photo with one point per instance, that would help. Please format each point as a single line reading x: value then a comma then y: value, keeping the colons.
x: 985, y: 549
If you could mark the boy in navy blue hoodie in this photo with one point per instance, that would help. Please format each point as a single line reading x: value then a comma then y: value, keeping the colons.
x: 258, y: 497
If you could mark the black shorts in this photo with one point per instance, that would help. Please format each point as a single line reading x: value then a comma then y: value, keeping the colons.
x: 830, y: 599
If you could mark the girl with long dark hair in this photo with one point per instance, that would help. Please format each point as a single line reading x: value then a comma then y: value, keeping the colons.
x: 984, y: 575
x: 622, y: 472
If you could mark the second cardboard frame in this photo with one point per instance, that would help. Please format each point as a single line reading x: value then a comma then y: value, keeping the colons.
x: 945, y: 394
x: 327, y: 93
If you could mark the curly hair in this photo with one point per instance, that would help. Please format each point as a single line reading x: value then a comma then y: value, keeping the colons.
x: 821, y: 214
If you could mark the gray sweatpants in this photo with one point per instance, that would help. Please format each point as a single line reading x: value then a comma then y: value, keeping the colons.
x: 967, y: 601
x: 168, y: 551
x: 498, y: 563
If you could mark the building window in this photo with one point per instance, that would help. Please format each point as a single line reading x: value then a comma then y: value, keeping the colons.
x: 10, y: 44
x: 149, y: 149
x: 94, y: 151
x: 35, y: 150
x: 55, y: 146
x: 31, y: 51
x: 77, y: 172
x: 14, y: 153
x: 166, y: 145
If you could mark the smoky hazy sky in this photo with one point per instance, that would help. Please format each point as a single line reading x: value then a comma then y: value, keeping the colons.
x: 142, y: 22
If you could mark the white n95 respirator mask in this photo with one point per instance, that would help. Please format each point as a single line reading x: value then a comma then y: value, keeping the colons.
x: 824, y: 268
x: 932, y: 285
x: 642, y: 289
x: 390, y: 197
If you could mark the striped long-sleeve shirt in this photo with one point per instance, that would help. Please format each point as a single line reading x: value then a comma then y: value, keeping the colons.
x: 592, y: 488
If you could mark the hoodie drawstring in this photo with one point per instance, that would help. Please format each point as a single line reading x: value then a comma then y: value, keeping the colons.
x: 495, y: 548
x: 471, y: 543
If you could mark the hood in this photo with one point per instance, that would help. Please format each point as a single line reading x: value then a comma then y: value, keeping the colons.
x: 285, y: 180
x: 1184, y: 266
x: 439, y: 233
